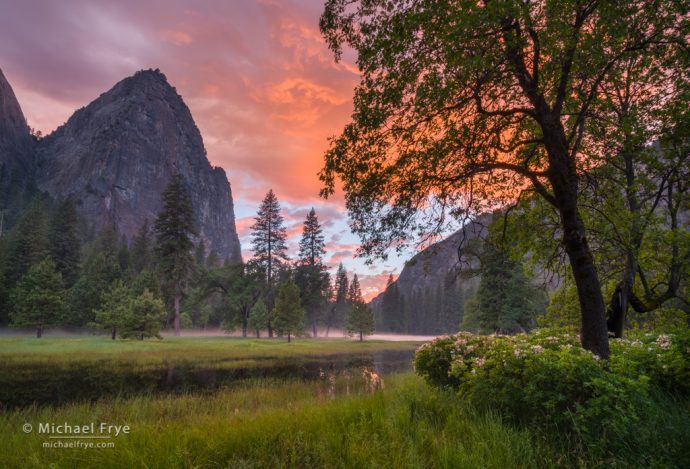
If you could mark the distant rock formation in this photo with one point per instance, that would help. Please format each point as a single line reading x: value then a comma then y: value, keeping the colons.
x: 16, y: 154
x: 114, y: 158
x: 428, y: 296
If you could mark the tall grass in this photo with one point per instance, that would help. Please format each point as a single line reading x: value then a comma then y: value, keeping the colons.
x: 283, y: 424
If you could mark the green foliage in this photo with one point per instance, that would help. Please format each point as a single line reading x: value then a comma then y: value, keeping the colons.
x: 27, y: 242
x: 360, y: 320
x: 268, y: 238
x: 547, y: 382
x: 115, y: 306
x: 38, y: 297
x: 100, y: 270
x: 258, y: 317
x: 63, y: 242
x: 288, y: 314
x: 144, y: 317
x: 174, y: 227
x: 508, y: 302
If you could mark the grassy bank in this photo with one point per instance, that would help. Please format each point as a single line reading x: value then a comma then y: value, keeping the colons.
x: 283, y: 424
x: 191, y: 349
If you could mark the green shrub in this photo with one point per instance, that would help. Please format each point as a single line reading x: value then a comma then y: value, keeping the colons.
x: 547, y: 381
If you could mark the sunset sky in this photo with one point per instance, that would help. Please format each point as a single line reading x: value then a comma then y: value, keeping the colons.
x: 261, y: 84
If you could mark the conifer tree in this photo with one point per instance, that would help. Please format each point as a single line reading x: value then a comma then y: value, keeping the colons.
x: 38, y: 297
x: 288, y: 313
x: 339, y: 306
x: 311, y: 246
x: 100, y: 270
x: 310, y: 273
x: 27, y: 242
x: 144, y: 317
x: 354, y: 292
x: 174, y: 228
x: 360, y: 320
x: 268, y: 238
x: 115, y: 306
x: 63, y: 242
x: 258, y: 317
x: 268, y: 243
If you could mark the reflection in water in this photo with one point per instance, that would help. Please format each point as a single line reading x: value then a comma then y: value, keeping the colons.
x: 45, y: 384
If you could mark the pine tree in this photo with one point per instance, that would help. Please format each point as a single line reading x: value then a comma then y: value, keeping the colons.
x: 339, y: 306
x: 311, y: 246
x: 354, y: 293
x: 28, y: 242
x: 39, y: 297
x: 115, y: 307
x: 268, y: 237
x: 268, y: 243
x: 144, y: 317
x: 288, y: 313
x: 310, y: 273
x: 258, y: 317
x: 63, y: 242
x: 100, y: 270
x: 507, y: 301
x: 360, y: 320
x: 174, y: 228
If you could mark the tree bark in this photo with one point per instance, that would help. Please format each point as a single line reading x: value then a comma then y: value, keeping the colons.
x: 258, y: 334
x: 288, y: 337
x: 313, y: 328
x: 113, y: 333
x: 39, y: 332
x: 270, y: 330
x: 361, y: 338
x: 564, y: 181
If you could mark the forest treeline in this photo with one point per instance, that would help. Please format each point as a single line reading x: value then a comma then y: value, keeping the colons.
x: 55, y: 273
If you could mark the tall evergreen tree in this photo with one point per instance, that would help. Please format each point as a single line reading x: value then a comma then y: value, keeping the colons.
x: 174, y: 228
x: 268, y: 237
x: 27, y: 242
x: 339, y: 305
x: 101, y: 268
x: 288, y: 313
x: 63, y: 242
x: 311, y: 246
x: 39, y: 297
x: 310, y: 273
x: 507, y: 301
x: 268, y: 243
x: 354, y: 292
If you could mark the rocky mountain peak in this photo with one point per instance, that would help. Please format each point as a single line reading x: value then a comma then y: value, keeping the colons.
x: 13, y: 128
x: 115, y: 156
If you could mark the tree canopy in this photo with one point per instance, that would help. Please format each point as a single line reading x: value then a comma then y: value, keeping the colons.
x: 463, y: 106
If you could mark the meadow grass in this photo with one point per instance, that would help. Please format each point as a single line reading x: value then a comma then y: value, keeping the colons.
x: 62, y: 350
x: 283, y: 424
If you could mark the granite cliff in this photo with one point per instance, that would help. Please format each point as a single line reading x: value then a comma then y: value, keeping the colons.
x: 428, y: 295
x: 115, y: 156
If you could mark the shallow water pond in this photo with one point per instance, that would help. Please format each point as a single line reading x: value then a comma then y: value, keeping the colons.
x: 43, y: 383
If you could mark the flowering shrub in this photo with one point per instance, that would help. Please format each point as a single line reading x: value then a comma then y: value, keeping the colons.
x: 664, y: 358
x: 547, y: 380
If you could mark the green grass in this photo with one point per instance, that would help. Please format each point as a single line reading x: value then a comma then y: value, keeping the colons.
x: 283, y: 424
x: 190, y: 349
